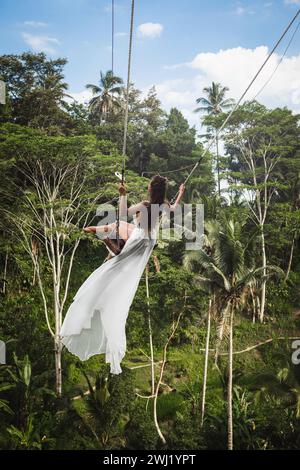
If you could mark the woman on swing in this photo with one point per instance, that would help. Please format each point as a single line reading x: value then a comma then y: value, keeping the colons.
x: 95, y: 321
x: 141, y: 212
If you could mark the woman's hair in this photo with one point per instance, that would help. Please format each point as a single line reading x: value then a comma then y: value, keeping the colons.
x: 158, y: 189
x: 157, y: 195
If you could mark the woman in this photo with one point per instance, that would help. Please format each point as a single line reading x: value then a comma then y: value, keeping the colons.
x: 141, y: 211
x: 95, y: 321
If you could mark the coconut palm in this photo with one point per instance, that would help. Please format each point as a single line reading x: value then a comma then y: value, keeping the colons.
x: 106, y: 97
x: 213, y: 104
x: 225, y: 269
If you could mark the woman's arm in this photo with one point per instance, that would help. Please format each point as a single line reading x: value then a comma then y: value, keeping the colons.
x: 123, y: 201
x: 135, y: 208
x: 124, y: 211
x: 178, y: 199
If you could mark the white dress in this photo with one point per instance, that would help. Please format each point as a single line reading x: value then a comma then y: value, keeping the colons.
x: 95, y: 321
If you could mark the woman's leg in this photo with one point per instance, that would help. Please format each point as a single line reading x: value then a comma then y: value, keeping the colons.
x: 125, y: 229
x: 99, y: 228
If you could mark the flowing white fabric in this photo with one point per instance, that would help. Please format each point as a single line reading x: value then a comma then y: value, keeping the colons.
x: 95, y: 321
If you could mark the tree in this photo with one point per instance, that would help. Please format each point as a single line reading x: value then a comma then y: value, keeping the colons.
x: 36, y: 90
x: 58, y: 198
x: 107, y: 99
x: 227, y: 270
x: 151, y: 111
x: 257, y: 141
x: 213, y: 104
x: 107, y: 406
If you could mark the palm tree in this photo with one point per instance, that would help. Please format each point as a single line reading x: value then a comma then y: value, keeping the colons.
x: 284, y: 386
x: 106, y: 97
x: 213, y: 104
x: 225, y: 269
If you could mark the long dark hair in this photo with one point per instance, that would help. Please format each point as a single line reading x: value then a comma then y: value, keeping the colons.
x: 158, y: 189
x: 157, y: 195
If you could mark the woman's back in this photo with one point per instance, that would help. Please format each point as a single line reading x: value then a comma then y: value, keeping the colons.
x: 147, y: 215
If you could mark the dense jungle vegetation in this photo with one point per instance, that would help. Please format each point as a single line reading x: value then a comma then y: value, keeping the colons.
x: 222, y: 320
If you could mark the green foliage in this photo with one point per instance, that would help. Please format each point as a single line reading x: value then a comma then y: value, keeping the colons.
x: 106, y: 407
x: 186, y: 432
x: 280, y: 298
x: 140, y: 431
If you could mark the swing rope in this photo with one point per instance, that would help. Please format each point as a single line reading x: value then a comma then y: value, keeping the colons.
x: 213, y: 140
x: 112, y: 35
x: 127, y: 91
x: 126, y: 112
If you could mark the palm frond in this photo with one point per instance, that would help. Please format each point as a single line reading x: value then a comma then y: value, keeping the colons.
x: 94, y: 88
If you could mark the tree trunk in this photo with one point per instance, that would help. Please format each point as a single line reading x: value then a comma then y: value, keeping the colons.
x: 290, y: 259
x: 263, y: 287
x: 206, y: 362
x: 34, y: 277
x: 218, y: 164
x: 34, y: 249
x: 58, y: 343
x: 150, y: 332
x: 254, y: 304
x: 229, y: 387
x: 5, y: 273
x: 58, y: 369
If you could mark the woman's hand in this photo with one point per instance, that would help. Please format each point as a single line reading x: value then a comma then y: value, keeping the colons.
x: 122, y: 190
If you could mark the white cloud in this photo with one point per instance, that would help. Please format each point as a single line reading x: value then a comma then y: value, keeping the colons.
x: 174, y: 66
x: 35, y: 24
x: 239, y: 10
x: 150, y: 30
x: 292, y: 2
x: 82, y: 97
x: 235, y: 68
x: 120, y: 35
x: 242, y: 9
x: 41, y: 43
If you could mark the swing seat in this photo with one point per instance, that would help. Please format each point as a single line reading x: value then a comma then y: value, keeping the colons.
x: 114, y: 245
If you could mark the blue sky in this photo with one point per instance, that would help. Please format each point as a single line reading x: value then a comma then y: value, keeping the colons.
x: 177, y: 44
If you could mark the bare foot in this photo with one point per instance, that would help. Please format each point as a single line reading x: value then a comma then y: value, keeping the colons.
x: 89, y: 229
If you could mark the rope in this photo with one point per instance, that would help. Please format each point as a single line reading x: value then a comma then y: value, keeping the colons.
x: 213, y: 140
x: 126, y: 114
x: 168, y: 172
x: 112, y: 35
x: 127, y: 90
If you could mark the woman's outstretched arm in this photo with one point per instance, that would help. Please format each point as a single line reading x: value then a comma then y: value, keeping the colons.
x: 178, y: 199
